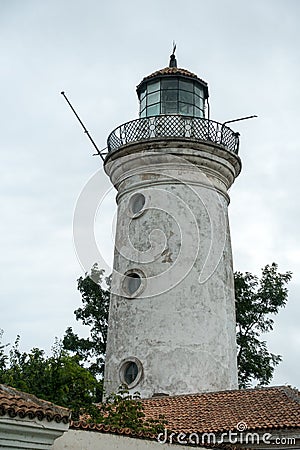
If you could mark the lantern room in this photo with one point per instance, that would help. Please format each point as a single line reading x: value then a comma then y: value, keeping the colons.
x: 172, y: 91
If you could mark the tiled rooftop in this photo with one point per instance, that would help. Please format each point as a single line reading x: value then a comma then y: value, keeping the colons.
x: 260, y: 409
x: 16, y: 403
x: 82, y: 425
x: 274, y: 408
x: 173, y: 71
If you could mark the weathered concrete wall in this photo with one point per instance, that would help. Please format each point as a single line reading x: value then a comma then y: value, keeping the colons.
x: 181, y: 325
x: 89, y: 440
x: 17, y: 433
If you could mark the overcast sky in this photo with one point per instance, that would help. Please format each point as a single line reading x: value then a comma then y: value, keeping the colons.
x: 98, y: 52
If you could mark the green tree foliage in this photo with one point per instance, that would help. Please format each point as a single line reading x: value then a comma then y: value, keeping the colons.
x: 94, y: 314
x: 58, y: 378
x: 61, y: 379
x: 3, y: 356
x: 123, y: 410
x: 257, y: 300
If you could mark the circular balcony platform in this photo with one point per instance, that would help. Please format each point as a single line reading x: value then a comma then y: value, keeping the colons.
x: 168, y: 126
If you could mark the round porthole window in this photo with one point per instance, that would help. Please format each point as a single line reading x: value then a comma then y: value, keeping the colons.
x: 133, y: 283
x: 131, y: 372
x: 136, y: 204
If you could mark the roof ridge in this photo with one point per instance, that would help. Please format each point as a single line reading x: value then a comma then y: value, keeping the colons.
x: 30, y: 398
x: 197, y: 394
x: 18, y: 403
x: 165, y: 71
x: 292, y: 393
x: 94, y: 426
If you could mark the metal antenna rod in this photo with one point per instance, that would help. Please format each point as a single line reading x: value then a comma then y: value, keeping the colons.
x: 82, y: 124
x: 237, y: 120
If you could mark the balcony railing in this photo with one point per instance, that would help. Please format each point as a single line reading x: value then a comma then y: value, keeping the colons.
x: 166, y: 126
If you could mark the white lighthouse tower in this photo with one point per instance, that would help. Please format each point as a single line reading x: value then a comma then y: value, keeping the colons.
x: 172, y: 311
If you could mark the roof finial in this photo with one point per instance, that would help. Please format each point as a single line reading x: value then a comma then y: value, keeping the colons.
x: 173, y: 62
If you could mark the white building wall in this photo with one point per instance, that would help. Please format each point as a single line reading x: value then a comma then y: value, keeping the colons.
x: 17, y: 433
x: 89, y: 440
x: 181, y: 326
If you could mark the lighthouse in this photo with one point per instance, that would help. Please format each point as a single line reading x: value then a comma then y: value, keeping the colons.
x: 172, y: 310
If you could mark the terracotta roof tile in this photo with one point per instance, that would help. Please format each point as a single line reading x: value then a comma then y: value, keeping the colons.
x: 172, y: 71
x: 17, y: 403
x: 88, y: 426
x: 259, y: 409
x: 216, y: 412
